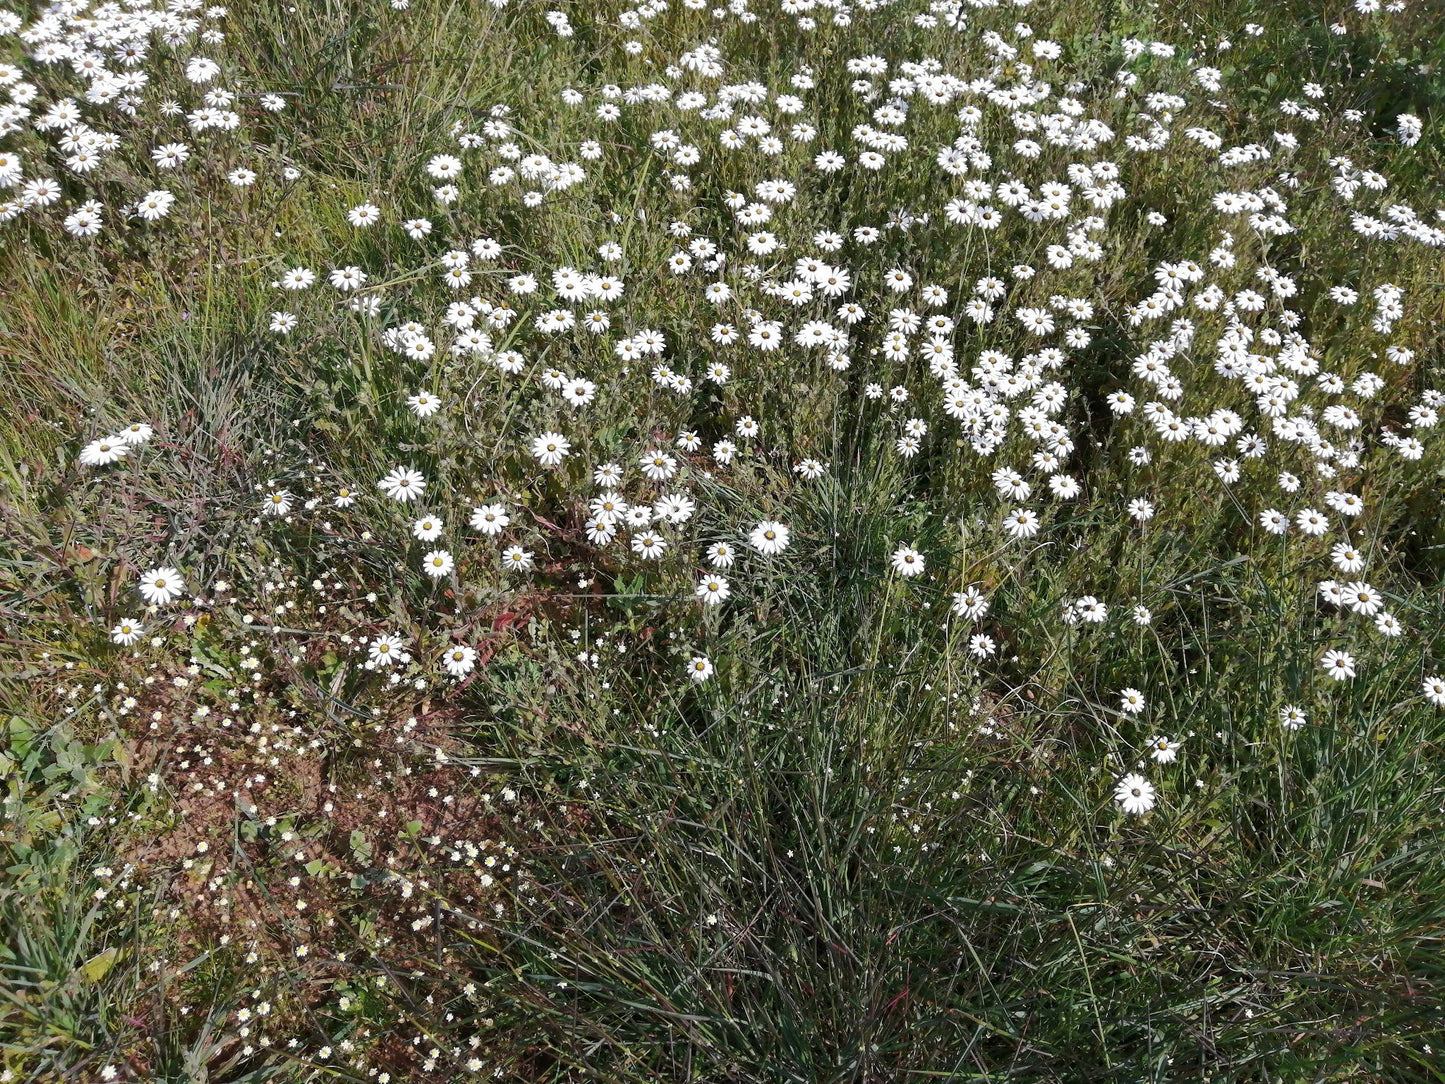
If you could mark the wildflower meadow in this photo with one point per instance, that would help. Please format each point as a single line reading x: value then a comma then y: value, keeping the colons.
x: 722, y: 541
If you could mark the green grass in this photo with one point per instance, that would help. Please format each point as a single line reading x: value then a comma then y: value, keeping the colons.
x: 858, y: 852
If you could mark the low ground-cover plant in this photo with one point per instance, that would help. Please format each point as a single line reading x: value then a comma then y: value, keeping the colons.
x: 828, y: 541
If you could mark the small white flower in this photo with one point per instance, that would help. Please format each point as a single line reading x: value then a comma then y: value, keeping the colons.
x: 161, y: 586
x: 908, y: 562
x: 1339, y: 665
x: 550, y: 449
x: 649, y: 545
x: 657, y: 465
x: 1162, y: 749
x: 126, y: 632
x: 1021, y: 523
x: 1434, y: 689
x: 107, y: 450
x: 608, y: 475
x: 517, y: 558
x: 1292, y: 717
x: 459, y: 660
x: 298, y: 278
x: 363, y: 215
x: 490, y: 519
x: 1135, y: 794
x: 154, y: 205
x: 720, y: 555
x: 769, y: 538
x: 437, y: 563
x: 403, y: 484
x: 277, y: 503
x: 713, y: 589
x: 971, y: 602
x: 387, y: 649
